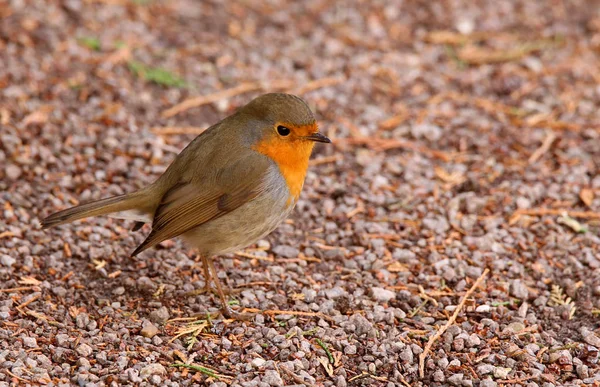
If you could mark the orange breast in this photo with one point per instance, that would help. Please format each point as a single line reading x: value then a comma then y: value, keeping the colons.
x: 292, y: 159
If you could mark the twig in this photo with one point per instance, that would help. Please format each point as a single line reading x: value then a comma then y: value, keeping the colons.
x: 318, y: 84
x: 21, y: 288
x: 552, y: 211
x: 167, y: 130
x: 210, y: 98
x: 388, y: 144
x: 396, y: 120
x: 252, y: 256
x: 32, y: 299
x: 296, y: 378
x: 247, y: 87
x: 326, y: 160
x: 365, y: 375
x: 451, y: 320
x: 19, y: 378
x: 426, y: 296
x: 360, y: 208
x: 475, y: 55
x: 545, y: 147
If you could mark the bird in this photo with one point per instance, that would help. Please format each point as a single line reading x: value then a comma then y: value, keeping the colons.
x: 229, y: 187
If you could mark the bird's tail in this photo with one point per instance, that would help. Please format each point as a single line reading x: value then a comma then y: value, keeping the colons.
x: 133, y: 202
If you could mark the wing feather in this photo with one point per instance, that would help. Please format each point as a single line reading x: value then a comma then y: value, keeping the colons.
x: 190, y: 204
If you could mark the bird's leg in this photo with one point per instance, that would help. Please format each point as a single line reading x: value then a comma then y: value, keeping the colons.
x: 225, y: 308
x: 206, y: 287
x: 206, y: 274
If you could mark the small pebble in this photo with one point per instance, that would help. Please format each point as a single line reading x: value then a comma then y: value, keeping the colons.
x: 152, y: 369
x: 30, y: 342
x: 12, y: 171
x: 148, y: 329
x: 456, y: 379
x: 382, y: 295
x: 286, y: 251
x: 7, y: 260
x: 590, y: 337
x: 159, y: 316
x: 483, y: 308
x: 84, y: 350
x: 272, y: 378
x: 501, y: 372
x: 438, y: 376
x: 519, y: 290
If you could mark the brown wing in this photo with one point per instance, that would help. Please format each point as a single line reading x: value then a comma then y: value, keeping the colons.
x: 189, y: 204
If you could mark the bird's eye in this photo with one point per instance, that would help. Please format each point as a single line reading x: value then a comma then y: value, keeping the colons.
x: 283, y: 131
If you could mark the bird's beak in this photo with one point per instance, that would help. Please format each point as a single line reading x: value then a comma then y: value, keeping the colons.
x: 318, y: 137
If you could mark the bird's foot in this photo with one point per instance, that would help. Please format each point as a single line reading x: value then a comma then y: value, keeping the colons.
x: 229, y: 313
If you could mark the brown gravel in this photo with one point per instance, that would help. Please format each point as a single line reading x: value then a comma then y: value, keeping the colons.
x: 467, y: 137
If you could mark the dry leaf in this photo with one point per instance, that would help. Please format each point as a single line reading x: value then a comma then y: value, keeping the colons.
x: 74, y: 311
x: 587, y: 196
x: 325, y: 363
x: 298, y: 296
x: 397, y: 267
x: 452, y: 178
x: 121, y: 55
x: 337, y: 356
x: 39, y: 116
x: 98, y: 263
x: 572, y: 223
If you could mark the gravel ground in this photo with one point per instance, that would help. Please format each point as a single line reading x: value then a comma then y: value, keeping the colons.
x: 467, y: 148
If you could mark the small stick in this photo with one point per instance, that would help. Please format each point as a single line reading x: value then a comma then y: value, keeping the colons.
x: 246, y: 87
x: 296, y: 378
x: 210, y: 98
x: 545, y: 147
x: 167, y: 130
x: 252, y: 256
x: 21, y: 288
x: 451, y: 320
x: 319, y: 83
x: 395, y: 121
x: 552, y: 211
x: 326, y: 160
x: 32, y: 299
x: 387, y: 144
x: 18, y: 377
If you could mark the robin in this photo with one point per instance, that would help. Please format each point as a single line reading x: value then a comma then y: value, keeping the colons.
x: 232, y: 185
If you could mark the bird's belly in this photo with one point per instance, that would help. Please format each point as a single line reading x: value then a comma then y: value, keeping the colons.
x: 243, y: 226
